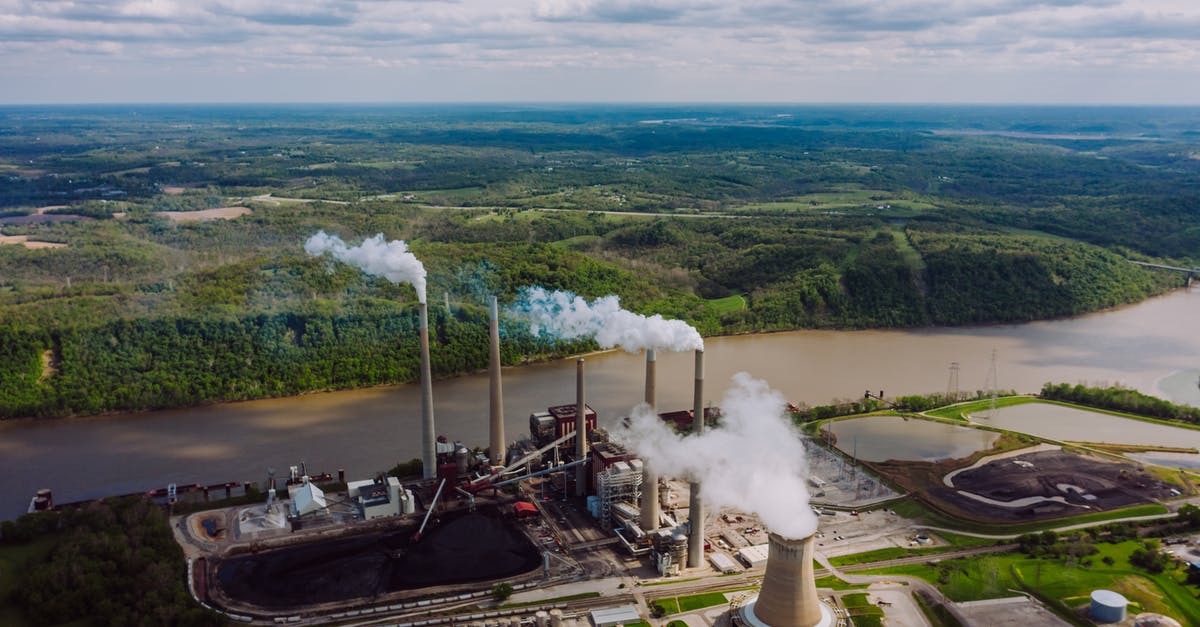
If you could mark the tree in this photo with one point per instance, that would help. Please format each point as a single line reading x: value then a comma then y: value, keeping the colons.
x: 501, y: 591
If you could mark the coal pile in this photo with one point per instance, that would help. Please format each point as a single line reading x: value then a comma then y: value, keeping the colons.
x: 468, y: 548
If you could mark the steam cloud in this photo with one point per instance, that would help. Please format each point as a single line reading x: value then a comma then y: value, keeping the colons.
x: 753, y: 462
x: 567, y: 316
x: 375, y: 256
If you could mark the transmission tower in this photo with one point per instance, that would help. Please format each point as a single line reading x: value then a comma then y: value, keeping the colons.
x: 952, y: 383
x: 992, y: 385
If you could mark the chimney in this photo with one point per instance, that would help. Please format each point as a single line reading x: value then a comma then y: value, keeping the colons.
x: 428, y: 450
x: 581, y: 444
x: 789, y: 593
x: 695, y: 505
x: 495, y: 391
x: 650, y: 513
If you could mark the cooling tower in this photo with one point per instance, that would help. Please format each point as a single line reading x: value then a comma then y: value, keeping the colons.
x: 649, y: 477
x: 695, y: 505
x: 428, y: 450
x: 581, y: 443
x: 789, y: 592
x: 495, y: 391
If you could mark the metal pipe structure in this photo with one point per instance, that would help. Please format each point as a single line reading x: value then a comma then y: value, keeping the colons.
x: 581, y: 443
x: 428, y: 446
x: 650, y: 512
x: 495, y: 390
x: 695, y: 505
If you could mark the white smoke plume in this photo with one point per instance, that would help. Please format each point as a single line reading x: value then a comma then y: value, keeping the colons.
x: 566, y: 316
x: 753, y: 462
x: 375, y: 256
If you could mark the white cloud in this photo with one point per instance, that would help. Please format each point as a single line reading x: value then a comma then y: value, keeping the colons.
x: 637, y: 50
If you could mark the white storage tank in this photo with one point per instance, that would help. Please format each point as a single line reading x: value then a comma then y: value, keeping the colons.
x: 1108, y: 606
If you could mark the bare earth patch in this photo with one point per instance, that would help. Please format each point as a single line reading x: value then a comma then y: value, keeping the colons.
x: 40, y: 210
x: 28, y: 243
x: 49, y: 366
x: 220, y: 213
x: 174, y: 190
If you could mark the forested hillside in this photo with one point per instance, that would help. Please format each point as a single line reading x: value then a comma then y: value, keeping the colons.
x: 737, y: 221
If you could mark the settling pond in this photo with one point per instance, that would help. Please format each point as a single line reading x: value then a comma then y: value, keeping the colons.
x: 880, y: 438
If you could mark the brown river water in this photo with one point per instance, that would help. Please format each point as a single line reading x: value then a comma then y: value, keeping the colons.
x: 1152, y: 346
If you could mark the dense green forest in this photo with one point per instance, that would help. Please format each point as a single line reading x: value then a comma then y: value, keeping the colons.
x: 734, y: 219
x: 111, y: 563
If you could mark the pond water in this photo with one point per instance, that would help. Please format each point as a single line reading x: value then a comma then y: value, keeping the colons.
x: 880, y: 438
x: 1079, y: 425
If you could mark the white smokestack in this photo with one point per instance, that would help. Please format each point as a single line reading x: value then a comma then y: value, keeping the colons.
x: 753, y: 462
x: 495, y: 390
x: 566, y: 316
x: 428, y: 445
x: 375, y: 256
x: 650, y: 511
x: 695, y: 500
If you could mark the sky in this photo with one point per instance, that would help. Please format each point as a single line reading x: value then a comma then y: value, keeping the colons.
x: 953, y: 51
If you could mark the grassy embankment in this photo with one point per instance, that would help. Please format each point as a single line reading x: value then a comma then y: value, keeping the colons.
x: 1066, y: 583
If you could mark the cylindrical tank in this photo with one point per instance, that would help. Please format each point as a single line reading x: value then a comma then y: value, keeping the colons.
x: 461, y: 458
x: 410, y: 503
x: 1108, y: 606
x: 542, y: 618
x: 515, y: 621
x: 556, y: 618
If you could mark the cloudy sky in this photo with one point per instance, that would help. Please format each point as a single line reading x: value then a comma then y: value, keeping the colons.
x: 1058, y: 51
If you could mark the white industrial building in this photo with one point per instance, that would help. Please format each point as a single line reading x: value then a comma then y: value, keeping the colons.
x: 306, y: 498
x: 754, y: 556
x: 377, y: 498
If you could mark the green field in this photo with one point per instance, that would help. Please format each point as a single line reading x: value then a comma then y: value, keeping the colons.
x: 1070, y: 584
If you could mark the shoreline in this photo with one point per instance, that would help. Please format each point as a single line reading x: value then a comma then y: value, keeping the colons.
x: 534, y: 362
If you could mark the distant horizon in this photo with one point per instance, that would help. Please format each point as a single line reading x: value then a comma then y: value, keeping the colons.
x: 604, y: 103
x: 1051, y: 52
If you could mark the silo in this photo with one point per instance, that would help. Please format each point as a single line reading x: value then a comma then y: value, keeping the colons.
x: 1108, y: 606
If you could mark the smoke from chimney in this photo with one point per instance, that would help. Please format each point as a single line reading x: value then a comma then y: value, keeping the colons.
x: 754, y: 461
x: 375, y: 256
x: 564, y: 315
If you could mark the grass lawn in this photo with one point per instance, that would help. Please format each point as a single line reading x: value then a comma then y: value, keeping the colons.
x: 995, y: 576
x: 727, y: 304
x: 698, y: 601
x: 862, y: 611
x: 960, y: 411
x: 668, y: 606
x: 833, y: 583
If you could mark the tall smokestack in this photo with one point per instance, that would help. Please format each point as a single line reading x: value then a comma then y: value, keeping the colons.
x: 649, y: 477
x: 789, y: 593
x: 429, y: 452
x: 495, y: 391
x: 581, y: 445
x: 695, y: 505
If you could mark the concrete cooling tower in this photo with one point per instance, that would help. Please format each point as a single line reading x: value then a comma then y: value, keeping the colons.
x: 789, y: 592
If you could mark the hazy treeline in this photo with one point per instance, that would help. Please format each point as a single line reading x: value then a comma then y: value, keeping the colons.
x: 1121, y: 399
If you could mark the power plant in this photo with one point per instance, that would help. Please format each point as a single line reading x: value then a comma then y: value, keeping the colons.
x: 467, y: 496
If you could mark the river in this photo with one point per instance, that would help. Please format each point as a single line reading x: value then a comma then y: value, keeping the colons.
x: 369, y: 430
